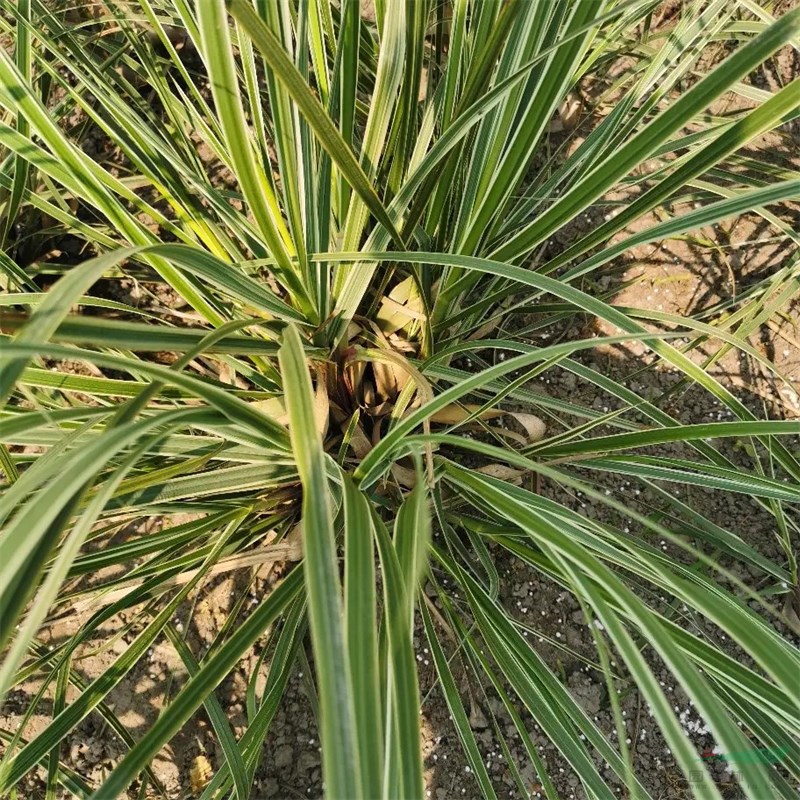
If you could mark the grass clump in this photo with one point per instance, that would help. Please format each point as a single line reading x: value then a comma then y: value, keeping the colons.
x: 359, y: 235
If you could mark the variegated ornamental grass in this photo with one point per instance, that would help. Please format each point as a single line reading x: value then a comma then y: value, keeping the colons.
x: 391, y: 187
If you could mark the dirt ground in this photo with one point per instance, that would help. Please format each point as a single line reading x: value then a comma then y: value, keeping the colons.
x: 680, y: 277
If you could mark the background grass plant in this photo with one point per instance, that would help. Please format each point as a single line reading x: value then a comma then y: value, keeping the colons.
x: 354, y: 214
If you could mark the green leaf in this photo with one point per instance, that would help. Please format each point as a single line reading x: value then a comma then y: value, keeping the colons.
x: 219, y: 721
x: 403, y: 754
x: 360, y: 621
x: 339, y: 734
x: 639, y: 147
x: 312, y: 110
x: 459, y: 715
x: 218, y: 54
